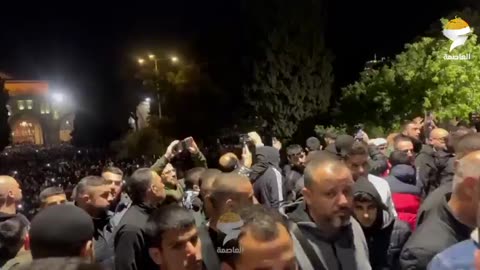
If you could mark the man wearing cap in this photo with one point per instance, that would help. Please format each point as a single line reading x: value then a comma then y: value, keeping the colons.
x: 62, y: 231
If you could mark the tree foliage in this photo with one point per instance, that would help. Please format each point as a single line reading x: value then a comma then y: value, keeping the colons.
x: 418, y: 80
x: 147, y: 141
x: 292, y: 74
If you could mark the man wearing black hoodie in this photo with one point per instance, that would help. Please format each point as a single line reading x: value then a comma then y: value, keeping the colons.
x: 385, y: 241
x: 10, y: 197
x: 268, y: 183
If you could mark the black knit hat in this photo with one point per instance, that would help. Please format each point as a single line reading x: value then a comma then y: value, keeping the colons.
x: 57, y: 229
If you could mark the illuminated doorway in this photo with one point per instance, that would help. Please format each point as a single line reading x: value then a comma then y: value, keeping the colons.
x: 27, y: 131
x: 66, y: 128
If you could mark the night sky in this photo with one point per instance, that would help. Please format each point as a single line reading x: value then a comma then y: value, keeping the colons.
x: 90, y: 51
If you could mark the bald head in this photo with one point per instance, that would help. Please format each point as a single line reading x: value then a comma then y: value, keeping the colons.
x: 438, y: 138
x: 228, y: 162
x: 10, y: 192
x: 318, y: 170
x: 467, y: 167
x: 231, y: 186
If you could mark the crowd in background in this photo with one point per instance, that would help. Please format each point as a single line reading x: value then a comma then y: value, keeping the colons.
x: 407, y: 201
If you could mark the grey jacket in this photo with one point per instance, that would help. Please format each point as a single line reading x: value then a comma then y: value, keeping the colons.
x: 348, y: 251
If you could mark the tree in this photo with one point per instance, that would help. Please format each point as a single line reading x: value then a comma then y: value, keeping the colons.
x: 4, y: 126
x: 292, y: 73
x: 418, y: 80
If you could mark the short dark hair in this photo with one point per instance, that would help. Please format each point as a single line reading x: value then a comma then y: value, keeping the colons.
x: 363, y: 197
x: 294, y: 149
x: 359, y: 148
x: 112, y: 169
x: 261, y: 222
x: 88, y: 181
x: 399, y: 158
x: 192, y: 177
x: 138, y: 184
x: 208, y: 177
x: 12, y: 237
x: 167, y: 218
x: 406, y: 124
x: 50, y: 191
x: 313, y: 144
x: 63, y: 263
x: 308, y: 174
x: 401, y: 138
x: 60, y: 231
x: 467, y: 144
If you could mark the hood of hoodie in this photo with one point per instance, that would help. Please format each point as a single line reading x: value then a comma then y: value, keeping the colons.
x: 298, y: 213
x: 265, y: 157
x: 384, y: 217
x: 404, y: 173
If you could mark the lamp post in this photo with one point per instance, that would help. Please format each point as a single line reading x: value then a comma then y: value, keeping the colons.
x: 155, y: 60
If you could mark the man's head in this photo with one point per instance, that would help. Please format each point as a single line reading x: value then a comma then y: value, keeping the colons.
x: 174, y: 242
x: 192, y: 178
x: 466, y: 187
x: 356, y: 159
x: 264, y: 242
x: 206, y: 182
x: 455, y: 136
x: 146, y: 186
x: 381, y: 144
x: 169, y: 176
x: 13, y: 234
x: 399, y: 158
x: 228, y: 162
x: 10, y: 192
x: 52, y: 196
x: 367, y: 204
x: 411, y: 129
x: 330, y: 137
x: 328, y: 194
x: 313, y: 144
x: 467, y: 144
x: 404, y: 143
x: 438, y: 139
x: 61, y: 231
x: 93, y: 195
x: 296, y: 156
x: 114, y: 178
x: 230, y: 192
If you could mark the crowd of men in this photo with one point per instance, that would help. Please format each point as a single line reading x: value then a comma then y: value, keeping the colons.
x: 400, y: 202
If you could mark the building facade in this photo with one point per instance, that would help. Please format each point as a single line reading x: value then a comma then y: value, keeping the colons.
x: 37, y: 116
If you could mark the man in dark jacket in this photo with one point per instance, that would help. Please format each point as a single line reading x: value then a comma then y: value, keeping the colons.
x: 324, y: 220
x: 147, y: 191
x: 269, y: 186
x: 293, y: 171
x: 450, y: 224
x: 385, y: 241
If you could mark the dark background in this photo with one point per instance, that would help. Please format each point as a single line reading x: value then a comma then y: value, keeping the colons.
x: 90, y: 51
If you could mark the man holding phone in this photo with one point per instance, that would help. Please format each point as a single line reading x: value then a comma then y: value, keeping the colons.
x: 168, y: 173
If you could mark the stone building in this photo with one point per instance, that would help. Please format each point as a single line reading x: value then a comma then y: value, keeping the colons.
x: 36, y: 115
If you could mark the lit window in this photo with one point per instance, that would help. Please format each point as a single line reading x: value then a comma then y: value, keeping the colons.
x: 55, y: 115
x: 21, y: 105
x: 29, y: 104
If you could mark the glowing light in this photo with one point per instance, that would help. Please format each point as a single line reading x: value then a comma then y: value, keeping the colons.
x: 151, y: 56
x: 141, y: 61
x: 174, y: 59
x: 148, y: 100
x: 58, y: 97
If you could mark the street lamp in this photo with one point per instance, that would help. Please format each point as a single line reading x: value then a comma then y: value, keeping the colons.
x: 141, y: 61
x: 151, y: 56
x: 174, y: 59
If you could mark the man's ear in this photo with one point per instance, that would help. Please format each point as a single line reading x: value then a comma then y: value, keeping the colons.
x: 307, y: 195
x: 88, y: 252
x: 225, y: 266
x: 156, y: 255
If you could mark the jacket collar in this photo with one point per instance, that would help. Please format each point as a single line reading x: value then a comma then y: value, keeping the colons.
x: 446, y: 215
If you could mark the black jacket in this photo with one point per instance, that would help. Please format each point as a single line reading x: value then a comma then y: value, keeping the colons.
x: 440, y: 231
x: 385, y: 241
x: 269, y: 186
x: 378, y: 162
x: 426, y: 169
x: 433, y: 202
x: 131, y: 251
x: 444, y: 162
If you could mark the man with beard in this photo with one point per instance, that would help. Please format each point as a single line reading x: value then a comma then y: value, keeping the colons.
x: 174, y: 241
x: 114, y: 177
x: 147, y: 191
x: 385, y: 241
x: 293, y: 171
x: 322, y: 227
x: 94, y: 196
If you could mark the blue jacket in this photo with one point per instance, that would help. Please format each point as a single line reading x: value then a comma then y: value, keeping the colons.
x: 458, y: 256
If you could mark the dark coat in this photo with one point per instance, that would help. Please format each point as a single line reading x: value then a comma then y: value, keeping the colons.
x: 440, y: 231
x: 426, y: 169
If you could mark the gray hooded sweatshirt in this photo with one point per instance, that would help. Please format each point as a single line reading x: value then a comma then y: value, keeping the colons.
x: 348, y: 251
